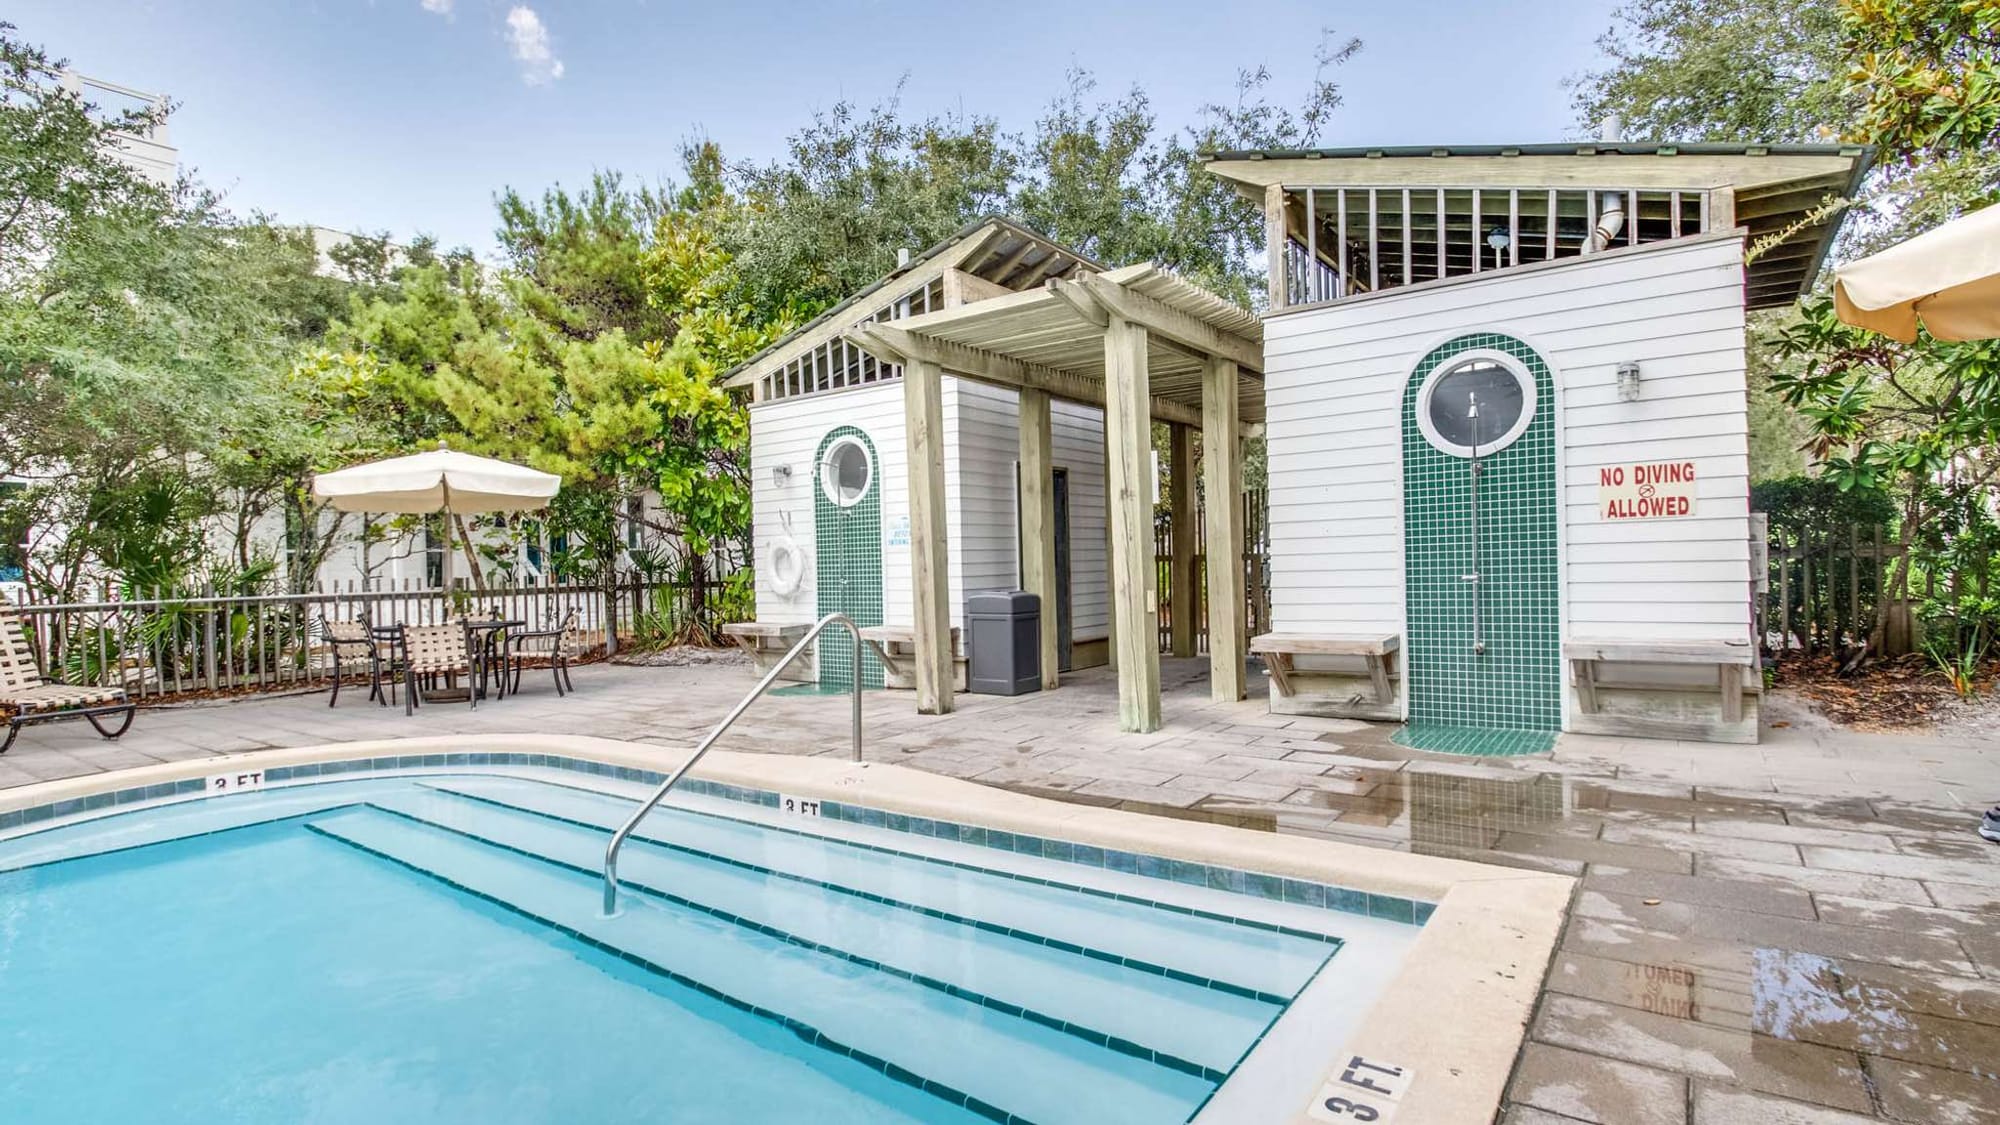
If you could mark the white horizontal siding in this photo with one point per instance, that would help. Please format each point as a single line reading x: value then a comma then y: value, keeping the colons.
x: 788, y: 432
x: 982, y: 437
x: 982, y: 446
x: 1334, y: 384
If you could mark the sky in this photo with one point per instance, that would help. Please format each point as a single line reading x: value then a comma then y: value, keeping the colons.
x: 408, y: 116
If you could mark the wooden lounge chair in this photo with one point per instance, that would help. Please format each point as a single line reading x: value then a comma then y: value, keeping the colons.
x: 558, y: 646
x: 30, y: 697
x: 436, y: 650
x: 353, y: 643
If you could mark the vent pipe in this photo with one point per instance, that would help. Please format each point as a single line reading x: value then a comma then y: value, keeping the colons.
x: 1611, y: 130
x: 1610, y: 221
x: 902, y: 257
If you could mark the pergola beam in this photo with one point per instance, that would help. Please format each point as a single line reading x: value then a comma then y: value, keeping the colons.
x: 1077, y: 296
x: 1043, y: 268
x: 1013, y: 261
x: 897, y: 345
x: 1170, y: 323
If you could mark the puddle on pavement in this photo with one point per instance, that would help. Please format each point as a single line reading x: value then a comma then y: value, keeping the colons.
x: 1802, y: 996
x: 1761, y: 998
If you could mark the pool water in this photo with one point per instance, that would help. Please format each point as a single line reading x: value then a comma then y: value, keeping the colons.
x: 432, y: 950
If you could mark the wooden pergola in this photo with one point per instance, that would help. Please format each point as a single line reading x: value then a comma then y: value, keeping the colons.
x: 1145, y: 346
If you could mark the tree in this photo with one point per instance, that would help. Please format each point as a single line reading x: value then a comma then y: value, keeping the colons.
x: 1928, y: 72
x: 857, y: 186
x: 144, y: 333
x: 1721, y: 70
x: 578, y: 259
x: 1917, y: 423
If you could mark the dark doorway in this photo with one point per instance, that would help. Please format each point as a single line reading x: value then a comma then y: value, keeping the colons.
x: 1059, y: 479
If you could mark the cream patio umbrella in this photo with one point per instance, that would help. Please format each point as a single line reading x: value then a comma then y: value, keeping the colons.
x: 440, y: 481
x: 1948, y: 277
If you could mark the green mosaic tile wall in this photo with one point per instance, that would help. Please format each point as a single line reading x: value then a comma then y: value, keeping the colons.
x: 848, y: 544
x: 1515, y: 685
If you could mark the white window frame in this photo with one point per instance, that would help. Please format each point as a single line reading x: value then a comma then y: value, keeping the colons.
x: 829, y: 487
x: 1513, y: 366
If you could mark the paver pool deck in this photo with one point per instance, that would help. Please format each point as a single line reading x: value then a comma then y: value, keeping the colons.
x: 1800, y: 932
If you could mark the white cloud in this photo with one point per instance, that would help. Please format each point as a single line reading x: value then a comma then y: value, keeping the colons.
x: 438, y: 7
x: 529, y: 40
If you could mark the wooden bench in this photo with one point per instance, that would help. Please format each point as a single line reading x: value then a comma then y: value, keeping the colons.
x: 896, y: 647
x: 1735, y: 675
x: 767, y: 642
x: 1314, y: 691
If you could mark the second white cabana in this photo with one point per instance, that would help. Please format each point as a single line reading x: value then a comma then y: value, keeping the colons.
x: 1143, y: 345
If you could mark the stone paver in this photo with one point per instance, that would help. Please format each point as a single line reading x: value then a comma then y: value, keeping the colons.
x: 1803, y: 932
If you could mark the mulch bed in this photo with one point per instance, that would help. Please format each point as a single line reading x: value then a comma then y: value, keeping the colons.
x: 682, y: 656
x: 1902, y: 693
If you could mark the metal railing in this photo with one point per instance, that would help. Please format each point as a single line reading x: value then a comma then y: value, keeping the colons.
x: 168, y: 645
x: 618, y: 838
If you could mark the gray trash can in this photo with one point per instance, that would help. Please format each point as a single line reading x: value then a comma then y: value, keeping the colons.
x: 1003, y: 643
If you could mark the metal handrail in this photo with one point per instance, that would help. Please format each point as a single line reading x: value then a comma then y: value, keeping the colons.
x: 756, y: 693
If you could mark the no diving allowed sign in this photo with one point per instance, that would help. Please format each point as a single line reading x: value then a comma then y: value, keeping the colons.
x: 1363, y: 1089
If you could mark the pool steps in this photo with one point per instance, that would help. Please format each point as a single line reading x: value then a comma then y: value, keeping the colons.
x: 1261, y: 964
x: 1188, y: 1028
x: 820, y: 997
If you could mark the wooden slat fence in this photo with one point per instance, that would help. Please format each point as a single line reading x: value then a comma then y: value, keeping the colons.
x: 1256, y: 568
x: 1823, y: 586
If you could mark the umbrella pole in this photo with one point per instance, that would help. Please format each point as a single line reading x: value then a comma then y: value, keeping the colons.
x: 444, y: 572
x: 445, y: 569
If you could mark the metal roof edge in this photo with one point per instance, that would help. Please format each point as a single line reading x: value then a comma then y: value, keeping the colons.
x: 1552, y: 148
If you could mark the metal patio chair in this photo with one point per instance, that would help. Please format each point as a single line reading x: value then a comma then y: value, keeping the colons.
x: 352, y: 642
x: 28, y: 696
x: 557, y: 646
x: 430, y: 651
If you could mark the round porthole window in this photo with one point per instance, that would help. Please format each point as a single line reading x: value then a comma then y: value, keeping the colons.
x: 845, y: 474
x: 1476, y: 403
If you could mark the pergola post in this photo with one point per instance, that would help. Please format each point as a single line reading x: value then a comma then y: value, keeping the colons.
x: 930, y: 567
x: 1222, y: 480
x: 1181, y: 539
x: 1128, y: 427
x: 1038, y: 517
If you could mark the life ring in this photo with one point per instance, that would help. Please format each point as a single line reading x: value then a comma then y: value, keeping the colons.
x: 788, y: 567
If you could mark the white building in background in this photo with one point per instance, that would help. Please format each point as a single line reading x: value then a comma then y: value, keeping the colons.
x: 152, y: 153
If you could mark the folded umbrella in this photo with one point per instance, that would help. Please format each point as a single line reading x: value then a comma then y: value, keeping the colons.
x: 1949, y: 278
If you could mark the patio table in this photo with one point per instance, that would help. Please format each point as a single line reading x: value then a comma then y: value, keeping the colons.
x: 488, y: 649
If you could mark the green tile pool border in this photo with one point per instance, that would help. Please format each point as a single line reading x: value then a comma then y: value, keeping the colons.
x: 1272, y: 888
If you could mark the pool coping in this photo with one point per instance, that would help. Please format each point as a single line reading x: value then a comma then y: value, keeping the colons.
x: 1483, y: 952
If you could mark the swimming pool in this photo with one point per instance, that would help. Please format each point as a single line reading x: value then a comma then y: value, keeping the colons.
x: 417, y: 936
x: 428, y: 945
